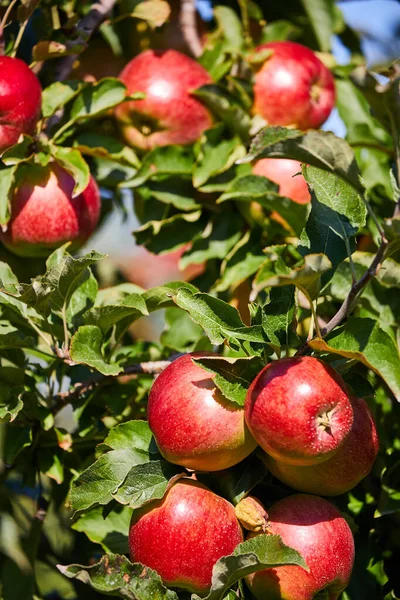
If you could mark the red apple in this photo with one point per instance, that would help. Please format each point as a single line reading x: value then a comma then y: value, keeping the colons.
x: 339, y: 474
x: 183, y: 535
x: 193, y: 424
x: 169, y: 114
x: 20, y: 100
x: 298, y: 410
x: 316, y: 529
x: 44, y: 215
x: 285, y: 173
x: 293, y: 87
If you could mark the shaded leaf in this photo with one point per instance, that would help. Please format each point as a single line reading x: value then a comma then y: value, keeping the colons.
x: 364, y: 340
x: 111, y: 531
x: 115, y: 574
x: 167, y: 160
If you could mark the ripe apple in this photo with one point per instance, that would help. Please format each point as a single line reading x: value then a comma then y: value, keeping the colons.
x: 316, y: 529
x: 298, y: 410
x: 293, y: 87
x: 44, y: 215
x: 284, y: 172
x: 192, y: 423
x: 183, y: 535
x: 168, y: 114
x: 20, y: 100
x: 341, y: 473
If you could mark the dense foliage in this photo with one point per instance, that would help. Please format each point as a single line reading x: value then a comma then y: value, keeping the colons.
x: 277, y: 278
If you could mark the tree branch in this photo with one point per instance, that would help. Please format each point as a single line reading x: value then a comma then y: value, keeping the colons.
x: 356, y: 289
x: 150, y: 368
x: 85, y: 29
x: 187, y: 21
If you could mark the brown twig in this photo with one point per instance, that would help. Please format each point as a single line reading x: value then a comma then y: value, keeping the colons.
x: 356, y: 289
x: 85, y: 28
x: 150, y: 368
x: 187, y: 21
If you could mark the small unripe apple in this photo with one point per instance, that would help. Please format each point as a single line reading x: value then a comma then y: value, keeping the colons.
x: 44, y: 214
x: 293, y: 87
x: 299, y: 410
x: 20, y: 100
x: 192, y: 423
x: 315, y: 528
x: 287, y: 174
x: 169, y: 114
x: 341, y: 473
x: 183, y: 535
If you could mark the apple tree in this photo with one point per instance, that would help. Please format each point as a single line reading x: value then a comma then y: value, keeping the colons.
x: 168, y: 465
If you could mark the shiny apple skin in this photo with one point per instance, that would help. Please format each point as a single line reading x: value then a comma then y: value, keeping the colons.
x: 315, y: 528
x: 44, y: 215
x: 20, y: 100
x: 287, y: 174
x: 341, y: 473
x: 192, y: 423
x: 299, y: 410
x: 184, y: 535
x: 172, y: 114
x: 293, y: 87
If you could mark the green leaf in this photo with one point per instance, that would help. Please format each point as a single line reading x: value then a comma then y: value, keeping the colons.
x: 73, y: 162
x: 86, y: 349
x: 116, y: 575
x: 96, y: 98
x: 236, y: 482
x: 171, y: 190
x: 231, y: 26
x: 363, y: 340
x: 104, y: 146
x: 11, y: 337
x: 233, y: 376
x: 214, y: 155
x: 320, y: 149
x: 22, y: 151
x: 134, y: 434
x: 169, y: 234
x: 162, y: 296
x: 354, y: 110
x: 280, y: 312
x: 256, y: 188
x: 227, y: 108
x: 279, y: 31
x: 306, y: 277
x: 131, y: 308
x: 258, y: 553
x: 348, y: 209
x: 57, y: 95
x: 111, y: 531
x: 17, y: 438
x: 54, y: 289
x: 154, y: 12
x: 167, y: 160
x: 321, y: 16
x: 220, y: 320
x: 242, y: 261
x: 6, y: 189
x: 146, y: 482
x: 220, y: 235
x: 180, y: 333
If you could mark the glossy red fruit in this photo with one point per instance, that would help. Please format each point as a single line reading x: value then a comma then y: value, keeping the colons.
x: 341, y: 473
x: 193, y: 424
x: 293, y: 87
x: 316, y: 529
x: 169, y: 114
x: 298, y: 410
x: 287, y: 174
x: 183, y: 535
x: 20, y: 100
x: 44, y: 215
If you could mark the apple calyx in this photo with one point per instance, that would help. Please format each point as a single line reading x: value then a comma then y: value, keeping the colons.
x: 252, y: 515
x: 324, y: 421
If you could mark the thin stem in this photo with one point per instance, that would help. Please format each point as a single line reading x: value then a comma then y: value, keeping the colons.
x: 19, y: 37
x: 315, y: 317
x: 246, y: 21
x: 65, y: 327
x: 60, y: 131
x: 7, y: 13
x: 187, y: 22
x: 40, y: 334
